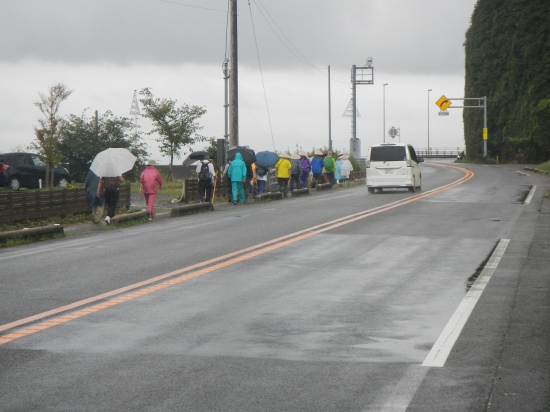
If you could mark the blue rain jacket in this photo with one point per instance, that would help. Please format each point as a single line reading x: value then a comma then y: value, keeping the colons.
x: 237, y: 169
x: 317, y: 165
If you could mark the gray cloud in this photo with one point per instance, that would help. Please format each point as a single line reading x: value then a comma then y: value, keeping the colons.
x: 423, y: 36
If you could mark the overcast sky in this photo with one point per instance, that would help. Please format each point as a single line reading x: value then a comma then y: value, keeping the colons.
x: 104, y: 50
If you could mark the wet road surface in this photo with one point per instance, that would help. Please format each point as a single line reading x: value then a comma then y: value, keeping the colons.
x: 327, y: 302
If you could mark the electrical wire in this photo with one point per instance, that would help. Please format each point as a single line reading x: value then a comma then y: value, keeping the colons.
x: 261, y: 74
x: 303, y: 59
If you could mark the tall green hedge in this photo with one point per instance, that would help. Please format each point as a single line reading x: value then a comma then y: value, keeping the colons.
x: 508, y: 60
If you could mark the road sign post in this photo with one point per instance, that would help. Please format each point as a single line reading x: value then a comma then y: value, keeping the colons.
x: 444, y: 103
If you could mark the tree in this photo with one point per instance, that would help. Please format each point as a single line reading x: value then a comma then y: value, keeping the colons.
x: 176, y: 126
x: 507, y: 60
x: 83, y: 137
x: 50, y: 127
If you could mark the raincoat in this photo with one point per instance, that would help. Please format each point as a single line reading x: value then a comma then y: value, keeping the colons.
x: 346, y: 168
x: 237, y: 169
x: 338, y: 172
x: 317, y: 165
x: 283, y: 167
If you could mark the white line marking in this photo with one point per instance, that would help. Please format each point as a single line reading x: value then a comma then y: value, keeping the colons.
x: 444, y: 344
x: 522, y: 173
x: 530, y: 196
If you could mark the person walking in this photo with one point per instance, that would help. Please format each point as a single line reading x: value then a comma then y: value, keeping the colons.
x: 237, y: 173
x: 110, y: 188
x: 337, y: 171
x: 330, y: 166
x: 295, y: 172
x: 346, y: 167
x: 260, y: 174
x: 206, y: 173
x: 305, y: 168
x: 227, y: 182
x: 149, y: 182
x: 95, y: 202
x: 317, y: 168
x: 283, y: 167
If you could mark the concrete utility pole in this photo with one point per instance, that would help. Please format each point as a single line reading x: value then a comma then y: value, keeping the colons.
x: 329, y: 114
x: 233, y: 78
x: 226, y: 109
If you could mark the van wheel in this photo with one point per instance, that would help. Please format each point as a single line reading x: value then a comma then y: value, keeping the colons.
x: 411, y: 188
x: 371, y: 190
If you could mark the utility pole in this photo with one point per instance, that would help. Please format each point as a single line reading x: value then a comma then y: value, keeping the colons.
x: 234, y: 78
x: 226, y: 109
x: 329, y: 114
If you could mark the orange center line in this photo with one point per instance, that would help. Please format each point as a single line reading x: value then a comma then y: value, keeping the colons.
x: 230, y: 259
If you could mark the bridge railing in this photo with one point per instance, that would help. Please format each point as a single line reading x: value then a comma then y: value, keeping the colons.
x: 438, y: 152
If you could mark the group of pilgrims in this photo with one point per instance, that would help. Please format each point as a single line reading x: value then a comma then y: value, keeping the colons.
x: 292, y: 171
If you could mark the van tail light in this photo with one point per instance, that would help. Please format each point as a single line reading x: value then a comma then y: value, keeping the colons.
x: 5, y: 167
x: 409, y: 163
x: 367, y: 164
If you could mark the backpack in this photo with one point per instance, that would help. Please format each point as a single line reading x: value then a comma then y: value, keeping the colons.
x: 304, y: 165
x: 204, y: 174
x: 261, y: 171
x: 111, y: 184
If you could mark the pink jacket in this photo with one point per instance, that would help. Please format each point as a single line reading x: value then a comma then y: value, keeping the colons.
x: 149, y: 178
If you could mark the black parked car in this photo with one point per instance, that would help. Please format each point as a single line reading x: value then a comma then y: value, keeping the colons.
x: 26, y: 169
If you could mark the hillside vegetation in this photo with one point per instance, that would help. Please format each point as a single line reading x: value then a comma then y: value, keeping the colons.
x: 508, y: 60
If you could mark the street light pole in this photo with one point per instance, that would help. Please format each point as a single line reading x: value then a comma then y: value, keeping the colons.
x: 384, y: 124
x: 428, y: 151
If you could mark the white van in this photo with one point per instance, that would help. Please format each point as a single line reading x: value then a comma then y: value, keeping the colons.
x: 393, y: 165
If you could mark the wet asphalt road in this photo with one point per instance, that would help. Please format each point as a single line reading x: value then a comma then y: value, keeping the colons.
x: 333, y: 316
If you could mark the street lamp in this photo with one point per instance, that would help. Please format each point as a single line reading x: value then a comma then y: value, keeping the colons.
x: 384, y: 125
x: 428, y: 152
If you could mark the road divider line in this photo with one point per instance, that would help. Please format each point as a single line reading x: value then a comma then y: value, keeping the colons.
x: 444, y: 344
x: 530, y: 195
x: 217, y: 263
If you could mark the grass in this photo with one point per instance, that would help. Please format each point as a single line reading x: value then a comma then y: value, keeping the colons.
x: 544, y: 166
x: 168, y: 188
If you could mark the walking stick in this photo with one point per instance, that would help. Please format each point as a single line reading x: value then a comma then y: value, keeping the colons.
x: 214, y: 191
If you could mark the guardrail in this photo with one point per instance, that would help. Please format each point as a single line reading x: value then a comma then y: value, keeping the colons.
x: 438, y: 153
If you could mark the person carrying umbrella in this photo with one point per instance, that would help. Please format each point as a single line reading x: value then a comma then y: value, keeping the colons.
x: 237, y: 173
x: 283, y: 167
x: 110, y: 164
x: 149, y: 181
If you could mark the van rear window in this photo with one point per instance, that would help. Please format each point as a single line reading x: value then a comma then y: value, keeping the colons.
x: 387, y: 154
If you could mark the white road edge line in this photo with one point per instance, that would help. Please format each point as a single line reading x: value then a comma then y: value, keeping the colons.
x: 531, y: 194
x: 444, y: 344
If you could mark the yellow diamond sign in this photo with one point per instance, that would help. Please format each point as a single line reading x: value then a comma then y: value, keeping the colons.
x: 443, y: 103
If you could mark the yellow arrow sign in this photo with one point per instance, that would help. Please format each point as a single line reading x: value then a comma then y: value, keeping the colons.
x: 443, y: 103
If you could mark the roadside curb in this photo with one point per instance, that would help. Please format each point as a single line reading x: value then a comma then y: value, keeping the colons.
x: 534, y: 169
x: 116, y: 220
x: 269, y: 195
x: 191, y: 209
x: 32, y: 232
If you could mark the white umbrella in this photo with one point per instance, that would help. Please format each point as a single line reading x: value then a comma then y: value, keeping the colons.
x: 112, y: 162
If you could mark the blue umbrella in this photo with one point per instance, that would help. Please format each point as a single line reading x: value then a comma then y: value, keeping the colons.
x: 266, y: 159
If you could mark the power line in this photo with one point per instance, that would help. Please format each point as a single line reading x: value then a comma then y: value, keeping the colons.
x: 261, y: 74
x: 304, y: 60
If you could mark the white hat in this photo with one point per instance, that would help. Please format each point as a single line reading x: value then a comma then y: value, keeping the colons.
x: 285, y: 155
x: 151, y: 163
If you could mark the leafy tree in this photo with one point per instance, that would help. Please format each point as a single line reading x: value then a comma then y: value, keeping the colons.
x: 176, y: 126
x: 507, y: 58
x: 50, y: 127
x: 83, y: 137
